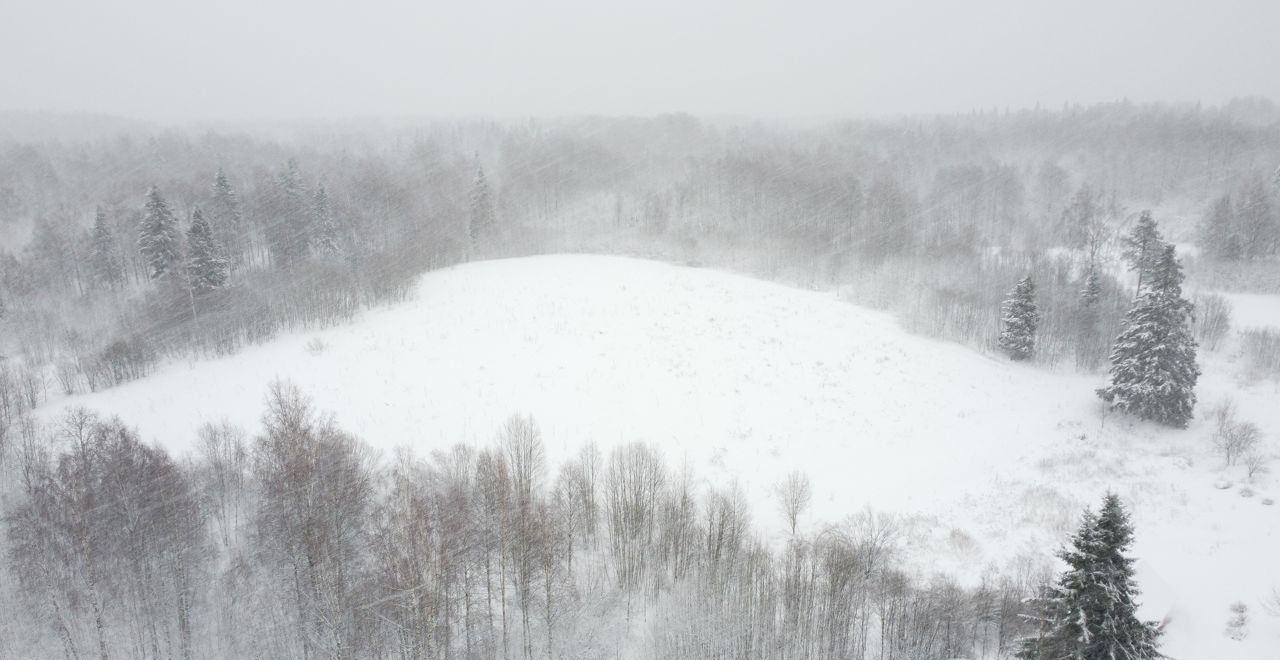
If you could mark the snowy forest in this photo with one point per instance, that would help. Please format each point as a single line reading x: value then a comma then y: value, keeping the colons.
x: 1062, y: 239
x: 932, y: 218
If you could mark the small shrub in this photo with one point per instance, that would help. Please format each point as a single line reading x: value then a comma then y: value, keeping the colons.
x: 34, y: 386
x: 1262, y: 353
x: 1238, y: 622
x: 1255, y: 465
x: 1213, y: 320
x: 1232, y: 438
x: 316, y: 346
x: 1272, y: 602
x: 961, y: 541
x: 1246, y: 492
x: 121, y: 361
x: 68, y: 373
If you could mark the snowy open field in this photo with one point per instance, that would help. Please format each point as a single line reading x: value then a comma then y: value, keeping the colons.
x: 746, y: 380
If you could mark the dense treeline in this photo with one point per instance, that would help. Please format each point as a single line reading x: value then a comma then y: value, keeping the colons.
x: 933, y: 218
x: 300, y: 542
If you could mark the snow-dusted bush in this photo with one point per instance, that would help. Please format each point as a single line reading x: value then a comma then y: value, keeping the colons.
x: 1233, y: 438
x: 1261, y: 353
x: 1272, y: 602
x: 1213, y: 320
x: 1256, y: 464
x: 1238, y: 623
x: 68, y: 374
x: 316, y: 346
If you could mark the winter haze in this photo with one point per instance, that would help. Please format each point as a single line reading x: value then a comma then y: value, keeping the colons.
x: 639, y: 331
x: 329, y: 59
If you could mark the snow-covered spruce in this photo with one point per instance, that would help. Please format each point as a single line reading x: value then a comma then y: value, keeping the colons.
x: 1141, y: 248
x: 104, y: 256
x: 206, y: 260
x: 1021, y: 317
x: 1090, y: 343
x: 1153, y: 364
x: 481, y: 217
x: 225, y: 219
x: 159, y: 240
x: 326, y: 229
x: 1091, y: 611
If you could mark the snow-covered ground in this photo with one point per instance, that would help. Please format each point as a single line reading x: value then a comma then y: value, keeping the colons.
x: 1254, y: 310
x: 744, y: 381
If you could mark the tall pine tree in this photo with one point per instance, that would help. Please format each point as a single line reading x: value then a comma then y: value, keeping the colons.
x: 1141, y: 248
x: 1090, y: 613
x: 482, y: 216
x: 159, y: 239
x: 1021, y: 318
x: 225, y: 219
x: 287, y: 223
x: 1153, y: 364
x: 323, y: 224
x: 104, y: 258
x: 207, y: 263
x: 1089, y: 346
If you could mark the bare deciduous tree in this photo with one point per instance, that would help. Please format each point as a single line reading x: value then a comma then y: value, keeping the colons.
x: 1232, y: 438
x: 226, y: 459
x: 1256, y: 464
x: 794, y: 495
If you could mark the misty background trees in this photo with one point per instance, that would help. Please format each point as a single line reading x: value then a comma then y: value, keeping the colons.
x: 105, y: 270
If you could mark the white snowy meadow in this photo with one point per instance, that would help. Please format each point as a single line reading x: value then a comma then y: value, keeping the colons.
x: 985, y: 464
x: 655, y: 330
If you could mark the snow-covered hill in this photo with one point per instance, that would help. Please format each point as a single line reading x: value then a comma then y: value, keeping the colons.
x: 744, y: 381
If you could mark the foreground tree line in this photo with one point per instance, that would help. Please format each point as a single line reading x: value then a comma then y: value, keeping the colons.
x: 300, y: 543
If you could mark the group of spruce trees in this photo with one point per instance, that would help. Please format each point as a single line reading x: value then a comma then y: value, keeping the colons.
x: 295, y: 228
x: 1153, y: 362
x: 297, y: 225
x: 200, y: 266
x: 1090, y: 612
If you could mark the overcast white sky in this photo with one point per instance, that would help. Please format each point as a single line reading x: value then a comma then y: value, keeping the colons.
x: 176, y: 60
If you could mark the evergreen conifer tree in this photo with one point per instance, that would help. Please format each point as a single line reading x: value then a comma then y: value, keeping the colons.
x: 104, y: 258
x: 225, y: 218
x: 1089, y: 347
x: 1141, y: 248
x: 287, y: 223
x: 326, y: 229
x: 207, y: 263
x: 482, y: 215
x: 1021, y: 317
x: 1090, y: 613
x: 159, y: 239
x: 1153, y: 363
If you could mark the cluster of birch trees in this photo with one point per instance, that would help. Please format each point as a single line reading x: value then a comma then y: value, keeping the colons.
x: 301, y: 542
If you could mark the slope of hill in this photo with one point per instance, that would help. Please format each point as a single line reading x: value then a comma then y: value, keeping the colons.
x: 988, y: 462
